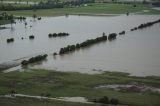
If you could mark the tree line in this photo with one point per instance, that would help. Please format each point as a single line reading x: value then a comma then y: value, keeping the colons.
x: 47, y: 5
x: 86, y: 43
x: 145, y: 25
x: 34, y: 59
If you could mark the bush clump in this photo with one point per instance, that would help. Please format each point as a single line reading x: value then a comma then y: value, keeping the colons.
x: 55, y: 54
x: 61, y: 34
x: 31, y: 37
x: 105, y: 100
x: 114, y: 101
x: 21, y: 18
x: 39, y: 18
x: 122, y: 33
x: 10, y: 40
x: 34, y: 59
x: 112, y: 36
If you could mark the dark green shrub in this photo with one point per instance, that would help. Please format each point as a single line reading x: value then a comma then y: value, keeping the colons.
x: 61, y: 34
x: 12, y: 91
x: 83, y: 44
x: 104, y: 100
x: 31, y: 37
x: 54, y: 53
x: 10, y: 40
x: 114, y: 101
x: 39, y: 18
x: 24, y: 62
x: 48, y: 94
x: 34, y: 59
x: 112, y: 36
x: 122, y: 33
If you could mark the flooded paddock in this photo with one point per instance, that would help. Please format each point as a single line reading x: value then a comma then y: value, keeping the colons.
x: 136, y: 52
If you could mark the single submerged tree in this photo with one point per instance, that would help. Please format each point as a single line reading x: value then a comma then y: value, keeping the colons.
x: 31, y: 37
x: 122, y: 33
x: 112, y: 36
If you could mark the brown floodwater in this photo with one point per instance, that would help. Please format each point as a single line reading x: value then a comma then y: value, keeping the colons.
x: 136, y: 52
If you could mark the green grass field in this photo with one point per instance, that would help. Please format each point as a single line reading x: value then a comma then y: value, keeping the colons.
x: 98, y: 8
x: 63, y: 84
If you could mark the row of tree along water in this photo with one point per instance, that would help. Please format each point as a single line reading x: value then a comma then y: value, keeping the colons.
x: 145, y: 25
x: 34, y: 59
x: 46, y: 5
x: 61, y: 34
x: 86, y: 43
x: 89, y: 42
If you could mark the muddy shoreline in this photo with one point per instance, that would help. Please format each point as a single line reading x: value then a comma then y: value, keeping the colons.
x: 8, y: 65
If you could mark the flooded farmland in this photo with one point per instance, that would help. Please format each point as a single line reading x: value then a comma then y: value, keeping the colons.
x: 136, y: 52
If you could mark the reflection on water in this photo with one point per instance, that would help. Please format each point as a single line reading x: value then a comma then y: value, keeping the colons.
x: 136, y: 52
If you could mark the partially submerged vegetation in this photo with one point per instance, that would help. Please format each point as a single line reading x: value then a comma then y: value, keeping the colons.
x: 34, y: 59
x: 112, y: 36
x: 31, y: 37
x: 72, y: 84
x: 122, y: 33
x: 61, y: 34
x: 145, y: 25
x: 86, y: 43
x: 10, y: 40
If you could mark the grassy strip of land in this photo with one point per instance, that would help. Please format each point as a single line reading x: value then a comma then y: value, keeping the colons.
x: 96, y: 8
x: 63, y: 84
x: 37, y: 102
